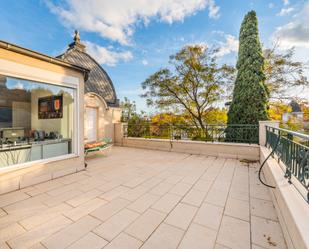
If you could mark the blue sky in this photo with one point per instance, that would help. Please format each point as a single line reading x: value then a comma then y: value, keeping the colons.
x: 134, y: 38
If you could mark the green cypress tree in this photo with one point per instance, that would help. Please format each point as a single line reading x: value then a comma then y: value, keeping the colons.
x: 250, y: 95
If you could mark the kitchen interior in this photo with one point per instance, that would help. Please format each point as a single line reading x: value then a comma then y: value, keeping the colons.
x: 36, y: 121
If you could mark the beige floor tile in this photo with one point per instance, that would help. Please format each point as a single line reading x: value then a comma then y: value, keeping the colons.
x: 180, y: 188
x: 37, y: 246
x: 84, y: 209
x: 124, y: 241
x: 116, y: 224
x: 44, y: 187
x: 13, y: 218
x: 218, y: 246
x: 257, y: 247
x: 91, y: 183
x: 144, y: 226
x: 39, y: 233
x: 135, y: 182
x: 181, y: 216
x: 234, y: 233
x: 10, y: 232
x: 267, y: 233
x: 44, y: 216
x: 143, y: 203
x: 71, y: 233
x: 263, y: 208
x: 62, y: 189
x: 209, y: 215
x: 4, y: 246
x: 165, y: 237
x: 151, y: 183
x: 114, y: 193
x: 134, y: 193
x: 173, y: 179
x: 84, y: 197
x: 106, y: 211
x: 68, y: 179
x: 167, y: 203
x: 216, y: 197
x: 162, y: 188
x: 165, y: 174
x: 202, y: 185
x: 105, y: 187
x: 221, y: 184
x: 194, y: 197
x: 56, y: 200
x: 33, y: 204
x: 259, y: 192
x: 239, y: 195
x: 2, y: 213
x: 90, y: 240
x: 198, y: 237
x: 237, y: 208
x: 7, y: 199
x: 191, y: 179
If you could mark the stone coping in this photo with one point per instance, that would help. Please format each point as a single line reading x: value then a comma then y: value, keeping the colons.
x: 195, y: 142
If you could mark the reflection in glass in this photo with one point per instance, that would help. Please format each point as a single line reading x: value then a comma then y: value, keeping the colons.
x: 36, y: 120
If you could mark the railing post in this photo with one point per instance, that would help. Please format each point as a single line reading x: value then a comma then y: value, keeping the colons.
x: 262, y: 130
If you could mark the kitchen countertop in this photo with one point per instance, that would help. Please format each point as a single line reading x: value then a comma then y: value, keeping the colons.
x: 19, y: 146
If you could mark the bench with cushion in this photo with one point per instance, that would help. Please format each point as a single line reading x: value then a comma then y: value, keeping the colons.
x: 102, y: 145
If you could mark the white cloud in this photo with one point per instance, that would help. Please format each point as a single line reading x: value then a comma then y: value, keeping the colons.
x: 18, y: 86
x: 285, y: 11
x: 213, y: 9
x: 145, y: 62
x: 296, y: 32
x: 230, y: 45
x: 117, y: 19
x: 105, y: 56
x: 271, y: 5
x: 286, y: 2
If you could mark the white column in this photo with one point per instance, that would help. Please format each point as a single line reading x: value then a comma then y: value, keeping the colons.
x: 262, y: 129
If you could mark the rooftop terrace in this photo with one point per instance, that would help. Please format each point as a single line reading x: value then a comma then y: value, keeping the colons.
x: 137, y: 198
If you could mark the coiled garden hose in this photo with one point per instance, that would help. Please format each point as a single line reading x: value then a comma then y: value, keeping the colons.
x: 263, y: 164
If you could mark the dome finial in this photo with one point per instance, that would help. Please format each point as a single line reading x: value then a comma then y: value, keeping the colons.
x: 76, y: 36
x: 76, y: 44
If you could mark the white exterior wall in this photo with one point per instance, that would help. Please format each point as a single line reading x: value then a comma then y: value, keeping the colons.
x: 107, y: 116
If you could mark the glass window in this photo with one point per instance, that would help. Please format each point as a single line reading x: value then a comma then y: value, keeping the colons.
x: 36, y: 121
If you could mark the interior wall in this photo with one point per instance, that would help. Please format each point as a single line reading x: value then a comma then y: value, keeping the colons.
x: 64, y: 125
x: 21, y: 112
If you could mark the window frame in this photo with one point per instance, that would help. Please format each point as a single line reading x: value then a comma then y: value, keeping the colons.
x: 26, y: 72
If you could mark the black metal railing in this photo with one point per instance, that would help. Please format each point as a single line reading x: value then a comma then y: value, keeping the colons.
x: 210, y: 133
x: 292, y: 148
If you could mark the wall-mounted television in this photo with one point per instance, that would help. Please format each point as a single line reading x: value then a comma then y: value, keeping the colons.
x: 51, y: 107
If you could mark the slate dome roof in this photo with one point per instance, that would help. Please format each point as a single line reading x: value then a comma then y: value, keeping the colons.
x: 98, y: 80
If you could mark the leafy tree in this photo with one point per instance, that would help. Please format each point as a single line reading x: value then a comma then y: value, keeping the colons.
x: 250, y: 96
x: 194, y: 83
x: 277, y: 109
x: 283, y: 73
x: 216, y: 116
x: 128, y: 109
x: 166, y: 118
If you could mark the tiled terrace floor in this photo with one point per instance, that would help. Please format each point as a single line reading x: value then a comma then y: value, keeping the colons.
x: 144, y: 199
